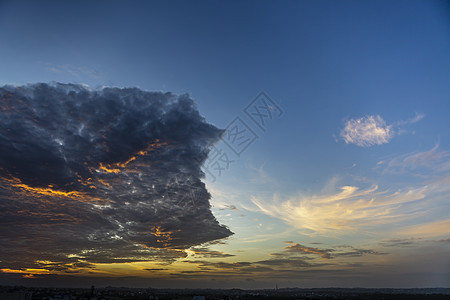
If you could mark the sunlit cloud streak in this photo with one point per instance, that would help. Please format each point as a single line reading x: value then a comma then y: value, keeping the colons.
x: 352, y: 209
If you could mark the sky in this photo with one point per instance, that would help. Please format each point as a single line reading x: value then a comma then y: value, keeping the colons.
x: 225, y: 144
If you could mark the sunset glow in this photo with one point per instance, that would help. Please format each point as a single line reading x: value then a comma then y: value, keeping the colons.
x: 225, y: 144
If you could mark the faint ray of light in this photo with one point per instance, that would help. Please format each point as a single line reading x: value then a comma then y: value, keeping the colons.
x: 163, y: 237
x: 49, y: 191
x: 26, y: 273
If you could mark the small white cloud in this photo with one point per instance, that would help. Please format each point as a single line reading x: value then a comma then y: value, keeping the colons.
x: 367, y: 131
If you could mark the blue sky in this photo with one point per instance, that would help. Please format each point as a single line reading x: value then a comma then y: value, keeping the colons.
x: 358, y: 157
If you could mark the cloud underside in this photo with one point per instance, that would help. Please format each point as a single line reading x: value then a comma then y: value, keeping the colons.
x: 101, y: 176
x: 367, y: 131
x: 292, y: 256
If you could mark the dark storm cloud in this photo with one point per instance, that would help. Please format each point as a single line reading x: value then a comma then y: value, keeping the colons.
x: 100, y: 176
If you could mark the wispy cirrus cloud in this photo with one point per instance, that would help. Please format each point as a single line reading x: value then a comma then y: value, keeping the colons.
x: 352, y: 209
x: 412, y: 120
x: 430, y: 229
x: 427, y: 163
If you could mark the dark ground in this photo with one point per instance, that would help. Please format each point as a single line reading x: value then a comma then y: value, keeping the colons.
x: 113, y: 293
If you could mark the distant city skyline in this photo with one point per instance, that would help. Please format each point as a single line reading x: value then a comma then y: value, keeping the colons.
x: 225, y: 144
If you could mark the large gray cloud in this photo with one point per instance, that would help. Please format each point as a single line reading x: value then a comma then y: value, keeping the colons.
x: 98, y: 176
